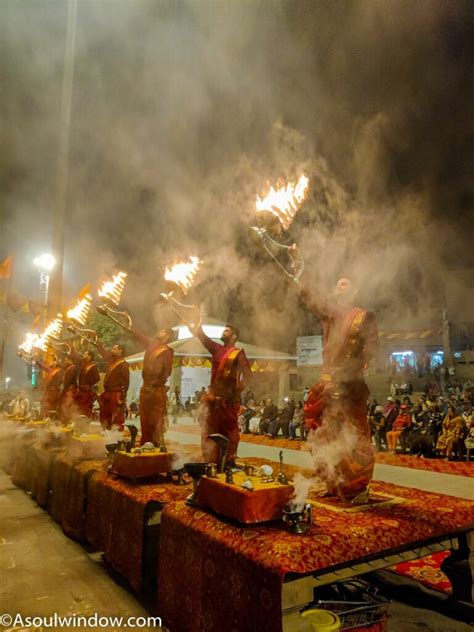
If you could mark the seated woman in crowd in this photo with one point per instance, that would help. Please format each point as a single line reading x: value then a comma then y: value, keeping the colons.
x: 297, y: 423
x: 421, y: 438
x: 379, y: 428
x: 401, y: 424
x: 469, y: 441
x: 452, y: 434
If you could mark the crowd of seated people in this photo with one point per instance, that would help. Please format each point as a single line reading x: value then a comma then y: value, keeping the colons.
x: 265, y: 418
x: 439, y: 424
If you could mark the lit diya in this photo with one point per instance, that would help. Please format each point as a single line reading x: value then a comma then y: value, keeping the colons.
x: 275, y: 214
x: 110, y: 293
x: 180, y: 277
x: 77, y: 317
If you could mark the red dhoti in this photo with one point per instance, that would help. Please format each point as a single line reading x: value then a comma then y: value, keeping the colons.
x: 112, y: 409
x: 341, y: 445
x: 153, y: 413
x: 220, y: 417
x: 85, y: 399
x: 50, y: 402
x: 67, y: 404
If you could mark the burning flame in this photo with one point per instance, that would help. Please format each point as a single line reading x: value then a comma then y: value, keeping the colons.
x: 80, y: 312
x: 53, y: 330
x: 32, y: 341
x: 112, y: 290
x: 183, y: 273
x: 285, y: 201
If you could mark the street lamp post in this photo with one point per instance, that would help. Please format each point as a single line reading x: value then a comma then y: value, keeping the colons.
x: 45, y: 264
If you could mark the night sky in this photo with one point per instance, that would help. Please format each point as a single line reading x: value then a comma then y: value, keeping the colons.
x: 182, y: 112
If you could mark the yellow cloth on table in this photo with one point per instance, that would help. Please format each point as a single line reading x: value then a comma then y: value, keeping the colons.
x: 141, y: 464
x: 265, y: 502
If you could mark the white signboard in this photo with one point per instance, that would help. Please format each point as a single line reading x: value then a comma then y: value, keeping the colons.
x: 193, y: 379
x: 309, y: 350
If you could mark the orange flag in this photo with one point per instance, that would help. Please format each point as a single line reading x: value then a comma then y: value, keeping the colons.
x: 6, y: 268
x: 85, y: 290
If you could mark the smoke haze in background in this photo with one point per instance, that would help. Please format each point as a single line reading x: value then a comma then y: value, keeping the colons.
x: 183, y: 112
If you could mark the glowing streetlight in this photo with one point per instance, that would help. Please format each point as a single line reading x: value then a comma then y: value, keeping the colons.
x: 45, y: 263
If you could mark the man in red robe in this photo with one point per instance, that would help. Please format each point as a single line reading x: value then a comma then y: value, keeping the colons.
x: 336, y: 408
x: 87, y: 380
x: 68, y: 393
x: 157, y: 367
x: 230, y: 375
x: 116, y: 380
x: 51, y: 386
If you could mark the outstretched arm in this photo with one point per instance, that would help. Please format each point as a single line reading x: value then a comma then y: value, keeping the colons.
x: 40, y: 364
x: 210, y: 345
x: 140, y: 337
x: 318, y: 304
x: 105, y: 353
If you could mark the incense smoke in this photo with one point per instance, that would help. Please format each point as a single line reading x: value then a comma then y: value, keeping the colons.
x: 177, y: 126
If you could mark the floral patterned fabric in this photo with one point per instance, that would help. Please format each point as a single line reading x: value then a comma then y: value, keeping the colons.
x: 248, y: 565
x: 20, y: 466
x: 69, y: 481
x: 427, y: 571
x: 116, y: 518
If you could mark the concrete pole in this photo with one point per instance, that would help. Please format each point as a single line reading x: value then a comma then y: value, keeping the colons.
x: 448, y: 356
x: 56, y: 283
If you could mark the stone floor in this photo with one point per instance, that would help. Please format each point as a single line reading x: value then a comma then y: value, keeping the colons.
x: 44, y: 572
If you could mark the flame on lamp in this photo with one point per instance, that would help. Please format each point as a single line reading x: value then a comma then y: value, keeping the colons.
x: 183, y: 273
x: 80, y: 312
x: 32, y: 341
x: 112, y: 290
x: 53, y: 330
x: 284, y: 202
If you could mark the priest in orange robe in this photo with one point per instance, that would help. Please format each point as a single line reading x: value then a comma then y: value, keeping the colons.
x: 53, y: 379
x: 336, y: 408
x: 88, y: 377
x: 157, y: 367
x: 116, y: 381
x: 230, y: 375
x: 67, y: 404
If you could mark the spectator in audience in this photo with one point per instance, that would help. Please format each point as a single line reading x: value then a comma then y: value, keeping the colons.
x: 469, y: 441
x: 401, y: 424
x: 421, y: 438
x: 247, y: 412
x: 133, y: 409
x: 452, y: 434
x: 282, y: 422
x: 379, y: 428
x: 20, y: 406
x: 372, y: 406
x: 297, y: 422
x: 392, y: 414
x: 269, y: 414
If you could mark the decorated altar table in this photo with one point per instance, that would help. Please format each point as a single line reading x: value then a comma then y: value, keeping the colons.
x: 216, y: 575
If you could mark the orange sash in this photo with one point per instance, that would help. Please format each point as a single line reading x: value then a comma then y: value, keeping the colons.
x: 347, y: 338
x: 50, y: 375
x: 157, y: 352
x: 226, y: 364
x: 112, y: 367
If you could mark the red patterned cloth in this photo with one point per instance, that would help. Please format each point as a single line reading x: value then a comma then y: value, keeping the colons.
x: 21, y: 470
x: 248, y: 565
x: 427, y: 571
x: 116, y: 519
x: 69, y: 480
